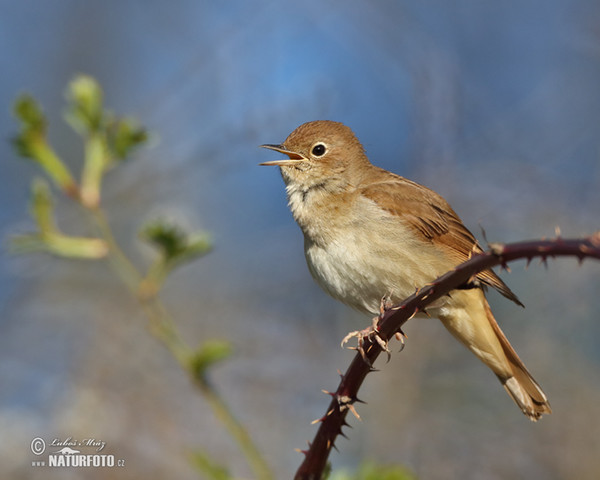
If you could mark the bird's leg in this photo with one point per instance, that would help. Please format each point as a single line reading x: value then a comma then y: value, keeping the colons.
x: 386, y: 304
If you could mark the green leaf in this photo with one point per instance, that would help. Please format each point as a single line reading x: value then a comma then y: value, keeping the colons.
x: 176, y: 248
x: 175, y: 245
x: 211, y: 352
x: 124, y: 135
x: 168, y: 238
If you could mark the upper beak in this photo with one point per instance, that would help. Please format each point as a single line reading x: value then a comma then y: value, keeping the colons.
x: 293, y: 159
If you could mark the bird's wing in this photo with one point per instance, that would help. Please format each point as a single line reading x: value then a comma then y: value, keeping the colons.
x: 430, y: 216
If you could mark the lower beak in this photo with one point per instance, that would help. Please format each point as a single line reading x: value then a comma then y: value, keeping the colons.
x: 294, y: 158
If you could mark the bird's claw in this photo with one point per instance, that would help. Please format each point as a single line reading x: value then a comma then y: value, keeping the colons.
x: 400, y: 336
x: 370, y: 333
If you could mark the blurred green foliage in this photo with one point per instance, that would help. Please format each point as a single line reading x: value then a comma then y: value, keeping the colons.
x: 369, y: 470
x: 48, y: 237
x: 209, y: 468
x: 108, y: 140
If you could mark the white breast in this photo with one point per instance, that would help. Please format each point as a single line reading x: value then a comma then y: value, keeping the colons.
x: 370, y: 257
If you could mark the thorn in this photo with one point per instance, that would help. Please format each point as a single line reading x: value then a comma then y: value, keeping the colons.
x: 342, y: 434
x: 354, y: 412
x: 318, y: 420
x: 557, y: 232
x: 483, y: 234
x: 333, y: 446
x: 504, y: 266
x: 364, y: 357
x: 299, y: 450
x: 327, y: 392
x: 356, y: 399
x: 528, y: 262
x: 544, y: 260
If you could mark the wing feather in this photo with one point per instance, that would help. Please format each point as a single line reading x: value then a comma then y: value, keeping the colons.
x: 431, y: 217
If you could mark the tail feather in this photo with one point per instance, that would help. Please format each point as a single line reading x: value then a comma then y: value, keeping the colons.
x: 522, y: 387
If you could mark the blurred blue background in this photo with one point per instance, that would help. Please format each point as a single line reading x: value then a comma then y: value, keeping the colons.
x: 495, y: 105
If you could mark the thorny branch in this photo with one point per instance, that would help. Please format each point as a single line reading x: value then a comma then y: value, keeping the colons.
x: 392, y: 319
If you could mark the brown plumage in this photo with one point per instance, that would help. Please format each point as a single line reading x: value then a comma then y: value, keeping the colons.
x: 432, y: 217
x: 369, y: 233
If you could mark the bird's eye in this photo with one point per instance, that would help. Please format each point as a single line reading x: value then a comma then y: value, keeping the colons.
x: 318, y: 150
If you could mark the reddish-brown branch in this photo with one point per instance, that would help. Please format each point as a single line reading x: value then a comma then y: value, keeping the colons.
x: 392, y: 319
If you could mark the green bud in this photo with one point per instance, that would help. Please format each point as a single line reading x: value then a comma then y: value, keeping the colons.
x: 85, y: 104
x: 29, y: 112
x: 31, y: 142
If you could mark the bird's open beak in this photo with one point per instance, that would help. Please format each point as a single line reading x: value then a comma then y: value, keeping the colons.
x: 293, y: 159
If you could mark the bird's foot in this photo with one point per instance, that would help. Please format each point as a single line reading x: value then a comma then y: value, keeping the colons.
x: 371, y: 334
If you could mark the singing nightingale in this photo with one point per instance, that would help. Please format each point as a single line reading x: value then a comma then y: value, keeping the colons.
x: 369, y: 233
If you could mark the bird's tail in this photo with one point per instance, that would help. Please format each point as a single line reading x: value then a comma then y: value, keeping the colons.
x: 521, y: 386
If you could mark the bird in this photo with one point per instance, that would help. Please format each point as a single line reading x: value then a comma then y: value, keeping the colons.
x: 371, y: 234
